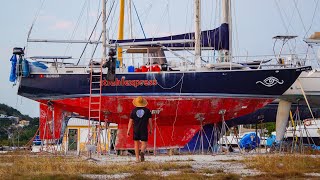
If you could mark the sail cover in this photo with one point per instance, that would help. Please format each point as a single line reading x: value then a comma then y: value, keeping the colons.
x: 217, y: 39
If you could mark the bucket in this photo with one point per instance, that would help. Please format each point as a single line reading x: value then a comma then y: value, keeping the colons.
x: 131, y: 69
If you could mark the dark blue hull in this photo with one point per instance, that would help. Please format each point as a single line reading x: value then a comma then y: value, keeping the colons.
x: 241, y: 83
x: 269, y: 114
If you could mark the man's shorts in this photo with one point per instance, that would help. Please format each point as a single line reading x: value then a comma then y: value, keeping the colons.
x: 140, y: 136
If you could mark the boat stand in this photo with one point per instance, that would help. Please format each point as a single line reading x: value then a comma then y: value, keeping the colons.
x: 224, y: 128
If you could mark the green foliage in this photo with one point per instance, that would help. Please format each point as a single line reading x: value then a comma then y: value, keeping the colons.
x: 270, y: 126
x: 24, y: 134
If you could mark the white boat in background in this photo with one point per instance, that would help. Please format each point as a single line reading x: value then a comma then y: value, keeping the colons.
x: 233, y: 139
x: 308, y: 83
x: 309, y: 131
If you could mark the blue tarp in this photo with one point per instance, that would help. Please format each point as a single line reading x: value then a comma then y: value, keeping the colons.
x: 37, y: 140
x: 216, y: 39
x: 315, y: 147
x: 249, y: 141
x: 271, y: 140
x: 39, y: 65
x: 13, y: 75
x: 25, y: 68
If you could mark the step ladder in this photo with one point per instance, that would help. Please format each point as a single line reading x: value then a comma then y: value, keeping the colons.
x: 95, y: 107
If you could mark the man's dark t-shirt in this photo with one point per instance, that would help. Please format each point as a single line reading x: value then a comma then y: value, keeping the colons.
x: 140, y: 116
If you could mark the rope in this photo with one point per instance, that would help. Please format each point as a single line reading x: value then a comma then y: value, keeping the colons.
x: 77, y: 25
x: 176, y: 116
x: 305, y: 98
x: 313, y: 16
x: 35, y: 18
x: 95, y: 48
x: 31, y: 140
x: 300, y: 17
x: 181, y: 80
x: 283, y: 19
x: 135, y: 9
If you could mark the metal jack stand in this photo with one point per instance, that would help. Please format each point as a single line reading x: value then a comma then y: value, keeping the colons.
x: 223, y: 131
x: 200, y: 118
x: 91, y: 148
x: 215, y: 145
x: 155, y: 112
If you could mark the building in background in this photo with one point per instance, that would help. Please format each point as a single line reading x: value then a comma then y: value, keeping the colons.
x: 76, y: 136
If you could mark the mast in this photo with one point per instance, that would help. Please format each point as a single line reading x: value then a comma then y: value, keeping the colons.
x: 226, y: 19
x: 130, y: 25
x: 197, y: 5
x: 121, y: 29
x: 104, y: 31
x: 130, y: 18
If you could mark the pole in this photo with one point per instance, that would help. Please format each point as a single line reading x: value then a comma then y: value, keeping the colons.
x: 197, y: 5
x: 104, y: 31
x: 226, y: 19
x: 121, y: 30
x: 130, y: 25
x: 201, y: 137
x: 155, y: 135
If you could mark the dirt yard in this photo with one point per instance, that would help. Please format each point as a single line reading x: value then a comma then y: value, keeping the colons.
x: 222, y: 166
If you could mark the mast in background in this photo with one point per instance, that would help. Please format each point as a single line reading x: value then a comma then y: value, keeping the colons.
x: 121, y: 30
x: 225, y: 55
x: 197, y: 5
x: 104, y: 31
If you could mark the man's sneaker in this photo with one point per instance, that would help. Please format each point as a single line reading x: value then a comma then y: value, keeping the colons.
x: 142, y: 156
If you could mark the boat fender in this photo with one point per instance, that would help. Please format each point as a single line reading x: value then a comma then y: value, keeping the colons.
x: 25, y: 68
x: 307, y: 122
x: 155, y: 68
x: 137, y: 70
x: 144, y: 69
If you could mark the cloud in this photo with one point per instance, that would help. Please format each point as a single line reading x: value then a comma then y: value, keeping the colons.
x: 47, y: 18
x: 62, y: 25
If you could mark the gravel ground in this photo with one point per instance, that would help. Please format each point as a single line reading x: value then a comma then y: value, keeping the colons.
x: 227, y: 163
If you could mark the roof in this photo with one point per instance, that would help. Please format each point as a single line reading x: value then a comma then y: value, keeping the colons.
x: 83, y: 122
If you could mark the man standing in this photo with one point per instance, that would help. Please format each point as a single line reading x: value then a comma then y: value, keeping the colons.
x: 140, y: 117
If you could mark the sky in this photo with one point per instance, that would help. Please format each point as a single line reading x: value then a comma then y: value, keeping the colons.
x: 255, y: 22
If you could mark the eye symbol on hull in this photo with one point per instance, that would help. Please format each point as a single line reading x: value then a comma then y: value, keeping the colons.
x: 270, y: 81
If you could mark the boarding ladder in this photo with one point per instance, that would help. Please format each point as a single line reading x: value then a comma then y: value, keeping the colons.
x: 94, y: 125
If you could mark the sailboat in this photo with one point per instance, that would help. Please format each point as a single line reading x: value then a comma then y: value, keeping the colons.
x: 182, y: 100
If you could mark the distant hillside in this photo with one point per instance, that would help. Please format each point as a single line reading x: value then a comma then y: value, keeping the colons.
x: 7, y: 129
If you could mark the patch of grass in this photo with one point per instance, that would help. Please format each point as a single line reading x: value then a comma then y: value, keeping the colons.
x: 279, y: 176
x: 190, y: 171
x: 182, y: 160
x: 141, y: 176
x: 229, y: 176
x: 187, y: 176
x: 159, y: 167
x: 207, y: 171
x: 6, y: 159
x: 34, y: 166
x: 51, y: 177
x: 219, y: 170
x: 284, y: 166
x: 190, y: 159
x: 184, y: 176
x: 229, y: 160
